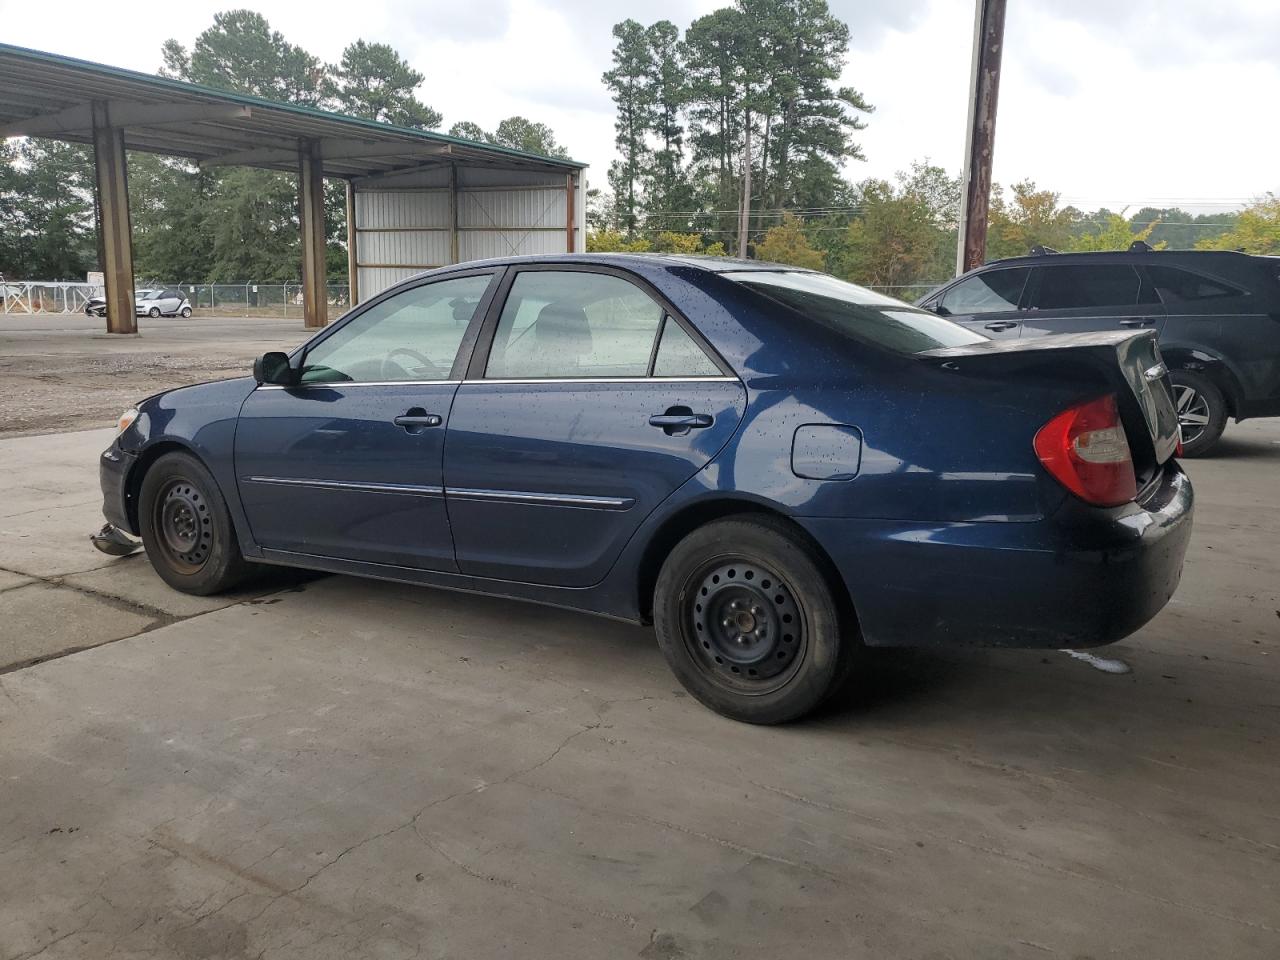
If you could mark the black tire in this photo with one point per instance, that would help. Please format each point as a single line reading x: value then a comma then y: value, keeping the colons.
x: 1202, y: 411
x: 153, y: 312
x: 186, y: 313
x: 186, y: 528
x: 749, y: 623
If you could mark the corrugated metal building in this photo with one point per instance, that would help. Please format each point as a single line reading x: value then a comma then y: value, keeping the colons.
x: 412, y: 221
x: 416, y: 199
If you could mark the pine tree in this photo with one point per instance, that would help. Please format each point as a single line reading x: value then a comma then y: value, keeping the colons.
x: 374, y: 82
x: 628, y: 81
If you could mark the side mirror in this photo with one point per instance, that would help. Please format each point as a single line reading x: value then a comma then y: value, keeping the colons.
x: 939, y: 309
x: 274, y: 368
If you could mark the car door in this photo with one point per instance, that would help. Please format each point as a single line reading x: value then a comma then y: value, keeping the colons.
x: 170, y: 301
x: 989, y: 302
x: 587, y: 403
x: 1081, y: 297
x: 348, y: 463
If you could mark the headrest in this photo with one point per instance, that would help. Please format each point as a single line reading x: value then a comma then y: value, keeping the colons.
x: 563, y: 327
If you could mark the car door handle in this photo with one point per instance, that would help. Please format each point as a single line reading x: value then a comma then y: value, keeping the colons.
x: 1136, y: 322
x: 681, y: 421
x: 416, y: 420
x: 1001, y: 325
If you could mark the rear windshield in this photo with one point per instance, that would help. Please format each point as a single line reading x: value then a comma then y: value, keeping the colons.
x: 856, y: 311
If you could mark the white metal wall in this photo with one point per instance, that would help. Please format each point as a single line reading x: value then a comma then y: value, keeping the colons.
x: 403, y: 221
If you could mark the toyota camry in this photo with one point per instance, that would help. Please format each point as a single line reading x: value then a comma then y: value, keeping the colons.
x: 771, y: 466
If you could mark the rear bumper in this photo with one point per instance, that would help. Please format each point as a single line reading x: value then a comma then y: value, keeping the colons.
x: 113, y: 474
x: 1082, y: 578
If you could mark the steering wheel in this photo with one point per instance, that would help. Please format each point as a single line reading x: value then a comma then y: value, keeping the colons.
x: 423, y: 366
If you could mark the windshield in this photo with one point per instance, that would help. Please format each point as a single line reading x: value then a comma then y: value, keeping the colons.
x: 856, y: 311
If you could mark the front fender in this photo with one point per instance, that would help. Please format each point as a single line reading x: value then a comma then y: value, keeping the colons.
x: 200, y: 420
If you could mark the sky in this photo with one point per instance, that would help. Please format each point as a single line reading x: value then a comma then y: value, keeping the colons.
x: 1110, y: 103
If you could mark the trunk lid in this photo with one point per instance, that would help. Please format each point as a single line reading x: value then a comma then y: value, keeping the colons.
x: 1129, y: 363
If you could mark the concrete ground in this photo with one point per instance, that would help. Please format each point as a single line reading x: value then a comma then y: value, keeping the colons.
x: 64, y: 372
x: 333, y: 768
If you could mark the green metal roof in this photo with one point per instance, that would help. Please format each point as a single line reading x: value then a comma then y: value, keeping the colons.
x: 34, y: 83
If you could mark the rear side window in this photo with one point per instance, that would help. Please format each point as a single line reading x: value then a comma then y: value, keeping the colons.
x: 574, y: 324
x: 1183, y: 286
x: 856, y: 312
x: 1077, y: 286
x: 991, y: 292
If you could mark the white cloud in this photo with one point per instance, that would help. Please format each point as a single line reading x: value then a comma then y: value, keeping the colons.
x: 1104, y: 101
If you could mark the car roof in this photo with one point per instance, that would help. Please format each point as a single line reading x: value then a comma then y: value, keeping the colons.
x: 1122, y: 256
x: 707, y: 262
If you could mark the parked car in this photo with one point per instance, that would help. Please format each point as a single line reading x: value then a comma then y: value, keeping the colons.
x: 147, y: 302
x: 770, y: 465
x: 1217, y: 315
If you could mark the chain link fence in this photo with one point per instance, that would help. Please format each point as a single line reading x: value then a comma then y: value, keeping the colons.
x: 281, y: 300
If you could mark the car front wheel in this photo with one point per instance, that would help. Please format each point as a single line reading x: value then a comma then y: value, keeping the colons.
x: 186, y: 528
x: 1202, y: 411
x: 749, y: 623
x: 153, y: 312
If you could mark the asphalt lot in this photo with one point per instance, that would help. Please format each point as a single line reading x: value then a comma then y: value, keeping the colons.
x: 328, y: 767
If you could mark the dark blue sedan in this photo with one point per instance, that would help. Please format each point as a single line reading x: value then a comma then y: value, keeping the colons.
x: 770, y: 465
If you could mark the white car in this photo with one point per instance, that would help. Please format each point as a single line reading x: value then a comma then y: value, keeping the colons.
x: 166, y: 302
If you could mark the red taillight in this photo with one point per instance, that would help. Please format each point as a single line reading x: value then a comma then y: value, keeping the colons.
x: 1086, y: 450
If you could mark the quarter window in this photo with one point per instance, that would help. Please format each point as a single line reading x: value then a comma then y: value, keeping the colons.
x: 413, y: 335
x: 1076, y: 286
x: 573, y: 324
x: 992, y: 292
x: 1181, y: 286
x: 679, y: 356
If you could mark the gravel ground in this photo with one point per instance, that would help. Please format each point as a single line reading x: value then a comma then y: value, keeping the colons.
x: 63, y: 373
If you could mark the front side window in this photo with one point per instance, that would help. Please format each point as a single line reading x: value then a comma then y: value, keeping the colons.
x: 413, y: 335
x: 856, y: 312
x: 1077, y: 286
x: 992, y: 292
x: 573, y: 324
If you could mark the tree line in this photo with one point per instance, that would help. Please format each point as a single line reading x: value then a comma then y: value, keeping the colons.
x: 223, y: 225
x: 749, y: 93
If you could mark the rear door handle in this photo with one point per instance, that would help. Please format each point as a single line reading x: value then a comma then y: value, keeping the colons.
x: 681, y: 421
x: 1137, y: 322
x: 1001, y: 325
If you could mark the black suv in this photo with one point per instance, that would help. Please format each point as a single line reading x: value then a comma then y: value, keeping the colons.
x: 1217, y: 315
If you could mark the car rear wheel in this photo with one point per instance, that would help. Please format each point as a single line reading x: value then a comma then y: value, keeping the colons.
x: 748, y: 622
x: 1202, y: 411
x: 186, y: 528
x: 186, y: 313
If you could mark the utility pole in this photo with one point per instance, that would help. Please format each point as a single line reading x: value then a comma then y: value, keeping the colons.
x: 744, y: 214
x: 984, y: 90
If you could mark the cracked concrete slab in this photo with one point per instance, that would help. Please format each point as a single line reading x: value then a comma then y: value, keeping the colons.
x: 358, y: 769
x: 40, y: 620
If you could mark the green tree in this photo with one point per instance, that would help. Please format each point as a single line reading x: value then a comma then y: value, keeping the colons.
x: 168, y: 203
x: 787, y: 243
x: 1257, y: 229
x: 1116, y: 234
x: 629, y: 83
x: 46, y: 211
x: 520, y: 133
x: 666, y: 188
x: 1031, y: 218
x: 467, y: 130
x: 614, y: 241
x: 374, y: 82
x: 241, y: 52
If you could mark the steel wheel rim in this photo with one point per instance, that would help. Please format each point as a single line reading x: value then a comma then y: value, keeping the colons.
x: 745, y: 628
x: 1193, y: 411
x: 183, y: 525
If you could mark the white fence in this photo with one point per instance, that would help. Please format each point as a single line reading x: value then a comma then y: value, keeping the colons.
x: 207, y: 299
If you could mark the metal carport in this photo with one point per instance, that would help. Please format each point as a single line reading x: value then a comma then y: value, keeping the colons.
x: 415, y: 198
